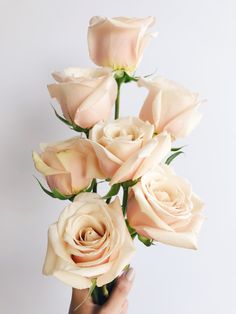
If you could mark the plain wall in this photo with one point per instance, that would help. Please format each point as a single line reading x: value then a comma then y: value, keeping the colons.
x: 196, y: 47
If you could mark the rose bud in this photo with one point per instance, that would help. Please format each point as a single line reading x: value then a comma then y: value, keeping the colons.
x: 162, y: 207
x: 118, y: 42
x: 170, y: 107
x: 68, y: 166
x: 86, y: 96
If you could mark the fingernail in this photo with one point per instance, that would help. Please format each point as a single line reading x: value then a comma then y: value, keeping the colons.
x: 130, y: 274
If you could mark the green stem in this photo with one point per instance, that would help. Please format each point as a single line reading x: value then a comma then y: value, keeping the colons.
x: 95, y: 186
x: 101, y: 294
x: 105, y: 291
x: 108, y: 200
x: 117, y: 104
x: 95, y: 296
x: 125, y: 199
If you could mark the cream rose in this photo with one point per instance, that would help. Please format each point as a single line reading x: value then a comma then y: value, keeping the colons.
x: 118, y: 42
x: 163, y: 207
x: 89, y: 241
x: 170, y: 107
x: 86, y: 96
x: 126, y: 148
x: 68, y: 166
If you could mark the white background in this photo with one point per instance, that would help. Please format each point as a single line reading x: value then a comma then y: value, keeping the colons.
x: 196, y: 46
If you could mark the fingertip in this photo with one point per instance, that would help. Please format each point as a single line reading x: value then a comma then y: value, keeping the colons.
x: 130, y: 275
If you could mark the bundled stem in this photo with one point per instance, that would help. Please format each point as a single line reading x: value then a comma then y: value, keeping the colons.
x: 101, y: 294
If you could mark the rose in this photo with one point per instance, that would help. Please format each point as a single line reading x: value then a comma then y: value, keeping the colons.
x: 170, y: 107
x: 118, y: 42
x: 68, y: 166
x: 89, y: 241
x: 163, y: 207
x: 126, y: 149
x: 86, y: 96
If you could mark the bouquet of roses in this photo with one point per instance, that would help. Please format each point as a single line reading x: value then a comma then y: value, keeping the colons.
x: 93, y: 240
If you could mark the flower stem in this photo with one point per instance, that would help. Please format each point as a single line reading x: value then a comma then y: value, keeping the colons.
x: 117, y: 104
x: 125, y: 199
x: 101, y: 294
x: 105, y: 291
x: 95, y: 186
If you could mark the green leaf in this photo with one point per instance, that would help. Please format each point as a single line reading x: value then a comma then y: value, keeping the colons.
x: 145, y: 240
x: 175, y: 149
x: 114, y: 190
x: 129, y: 183
x: 173, y: 156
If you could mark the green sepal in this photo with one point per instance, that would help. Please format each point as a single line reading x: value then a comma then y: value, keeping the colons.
x: 61, y: 118
x: 91, y: 187
x: 114, y: 190
x: 72, y: 126
x: 44, y: 189
x: 173, y: 156
x: 122, y: 76
x: 132, y: 231
x: 55, y: 193
x: 175, y: 149
x: 145, y: 241
x: 129, y: 183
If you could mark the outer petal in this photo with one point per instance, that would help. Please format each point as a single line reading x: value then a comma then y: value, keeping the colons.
x: 97, y: 106
x: 139, y: 211
x: 161, y: 149
x: 70, y: 95
x: 75, y: 281
x: 179, y: 239
x: 125, y: 255
x: 126, y: 249
x: 108, y: 162
x: 44, y: 168
x: 184, y: 123
x: 170, y: 106
x: 60, y: 182
x: 144, y: 160
x: 75, y: 163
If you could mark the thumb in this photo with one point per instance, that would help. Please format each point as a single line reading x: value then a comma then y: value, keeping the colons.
x: 119, y: 294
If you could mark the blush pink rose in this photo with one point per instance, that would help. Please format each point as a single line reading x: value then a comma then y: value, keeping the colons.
x: 126, y: 148
x: 68, y: 166
x: 118, y: 42
x: 86, y: 96
x: 170, y: 107
x: 163, y: 207
x: 89, y: 241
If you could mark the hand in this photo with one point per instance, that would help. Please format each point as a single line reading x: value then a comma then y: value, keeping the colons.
x: 116, y: 304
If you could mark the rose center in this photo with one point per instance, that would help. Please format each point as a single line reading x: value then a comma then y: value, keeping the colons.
x: 162, y: 196
x: 89, y: 234
x: 129, y: 133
